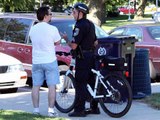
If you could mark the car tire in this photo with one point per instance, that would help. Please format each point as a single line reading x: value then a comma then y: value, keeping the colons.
x: 29, y: 81
x: 152, y: 70
x: 11, y: 90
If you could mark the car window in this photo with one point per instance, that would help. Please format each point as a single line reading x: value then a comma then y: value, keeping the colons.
x: 154, y: 31
x: 17, y: 30
x: 100, y: 33
x: 64, y: 27
x: 68, y: 26
x: 3, y: 26
x: 117, y: 31
x: 136, y: 32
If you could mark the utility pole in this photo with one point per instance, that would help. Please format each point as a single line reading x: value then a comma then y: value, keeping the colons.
x: 129, y: 12
x: 40, y: 3
x: 157, y: 5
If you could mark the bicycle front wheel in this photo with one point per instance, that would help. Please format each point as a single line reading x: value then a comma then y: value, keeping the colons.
x: 65, y: 93
x: 120, y: 100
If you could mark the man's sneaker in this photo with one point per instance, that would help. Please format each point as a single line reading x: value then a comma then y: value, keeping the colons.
x: 52, y: 114
x: 36, y: 113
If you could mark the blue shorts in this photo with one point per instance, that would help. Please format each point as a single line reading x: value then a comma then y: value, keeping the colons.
x: 47, y: 71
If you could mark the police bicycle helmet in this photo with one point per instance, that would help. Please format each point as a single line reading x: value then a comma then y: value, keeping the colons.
x: 81, y: 7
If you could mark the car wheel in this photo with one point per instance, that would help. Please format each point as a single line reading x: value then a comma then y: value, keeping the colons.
x: 11, y: 90
x: 29, y: 81
x: 152, y: 70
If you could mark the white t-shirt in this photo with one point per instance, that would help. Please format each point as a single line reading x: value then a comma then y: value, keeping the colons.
x: 43, y: 37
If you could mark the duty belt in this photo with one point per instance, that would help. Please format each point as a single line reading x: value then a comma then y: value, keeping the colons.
x: 87, y: 50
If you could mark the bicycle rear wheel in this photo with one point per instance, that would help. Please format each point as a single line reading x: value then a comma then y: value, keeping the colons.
x: 119, y: 103
x: 65, y: 93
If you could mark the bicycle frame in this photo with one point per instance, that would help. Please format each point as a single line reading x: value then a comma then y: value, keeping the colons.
x: 99, y: 77
x: 107, y: 90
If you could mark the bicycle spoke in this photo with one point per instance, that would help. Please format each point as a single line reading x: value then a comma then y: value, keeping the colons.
x: 120, y: 101
x: 65, y: 93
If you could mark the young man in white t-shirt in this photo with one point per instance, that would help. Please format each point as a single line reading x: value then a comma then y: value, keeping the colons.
x: 44, y: 37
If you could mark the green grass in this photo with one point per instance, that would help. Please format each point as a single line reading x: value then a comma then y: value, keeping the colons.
x: 153, y: 100
x: 110, y: 24
x: 19, y: 115
x: 120, y: 21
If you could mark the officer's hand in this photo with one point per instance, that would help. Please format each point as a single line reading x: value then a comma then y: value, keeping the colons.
x: 64, y: 36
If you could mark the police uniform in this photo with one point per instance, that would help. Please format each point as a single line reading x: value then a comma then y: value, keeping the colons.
x: 84, y: 36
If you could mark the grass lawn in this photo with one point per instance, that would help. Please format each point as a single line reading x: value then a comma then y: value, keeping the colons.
x: 19, y: 115
x: 119, y: 21
x: 153, y: 100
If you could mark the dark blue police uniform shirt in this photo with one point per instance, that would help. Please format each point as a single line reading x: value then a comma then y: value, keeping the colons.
x: 84, y: 34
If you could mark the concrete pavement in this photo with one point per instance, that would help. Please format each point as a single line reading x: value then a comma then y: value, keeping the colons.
x: 22, y: 101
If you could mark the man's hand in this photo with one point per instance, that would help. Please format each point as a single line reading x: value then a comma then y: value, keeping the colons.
x: 64, y: 36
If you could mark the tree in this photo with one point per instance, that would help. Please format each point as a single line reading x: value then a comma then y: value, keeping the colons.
x: 140, y: 10
x: 99, y: 8
x: 12, y: 5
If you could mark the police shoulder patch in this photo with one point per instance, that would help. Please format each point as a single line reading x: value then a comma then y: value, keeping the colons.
x: 76, y: 31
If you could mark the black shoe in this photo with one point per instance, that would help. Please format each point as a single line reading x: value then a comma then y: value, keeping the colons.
x: 92, y: 111
x: 77, y: 114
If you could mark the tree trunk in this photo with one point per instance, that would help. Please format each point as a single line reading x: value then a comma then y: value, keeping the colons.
x: 97, y: 11
x: 140, y: 10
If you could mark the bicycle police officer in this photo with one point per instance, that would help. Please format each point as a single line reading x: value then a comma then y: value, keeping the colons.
x: 83, y: 43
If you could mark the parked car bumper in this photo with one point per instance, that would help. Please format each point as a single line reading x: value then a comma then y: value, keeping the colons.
x: 19, y: 79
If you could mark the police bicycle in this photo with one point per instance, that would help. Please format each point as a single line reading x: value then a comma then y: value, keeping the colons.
x: 112, y: 90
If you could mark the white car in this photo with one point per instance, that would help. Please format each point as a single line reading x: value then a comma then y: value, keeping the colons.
x: 156, y: 16
x: 12, y: 74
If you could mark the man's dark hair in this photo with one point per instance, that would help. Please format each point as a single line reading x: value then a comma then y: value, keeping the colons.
x: 41, y: 12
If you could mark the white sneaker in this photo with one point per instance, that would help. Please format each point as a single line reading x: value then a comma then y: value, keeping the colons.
x: 53, y: 114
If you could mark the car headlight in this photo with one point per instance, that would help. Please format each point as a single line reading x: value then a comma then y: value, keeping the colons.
x: 13, y: 68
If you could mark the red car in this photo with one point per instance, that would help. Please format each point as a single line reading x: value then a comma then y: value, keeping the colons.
x: 14, y: 39
x: 148, y: 36
x: 125, y: 10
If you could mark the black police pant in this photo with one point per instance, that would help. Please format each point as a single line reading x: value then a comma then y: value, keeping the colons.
x: 83, y: 76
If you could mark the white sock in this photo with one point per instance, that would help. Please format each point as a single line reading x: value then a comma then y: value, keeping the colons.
x: 51, y: 110
x: 36, y: 110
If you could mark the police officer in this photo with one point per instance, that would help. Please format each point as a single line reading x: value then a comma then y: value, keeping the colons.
x: 84, y: 41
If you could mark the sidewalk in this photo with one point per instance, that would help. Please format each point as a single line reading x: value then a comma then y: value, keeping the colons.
x: 22, y: 101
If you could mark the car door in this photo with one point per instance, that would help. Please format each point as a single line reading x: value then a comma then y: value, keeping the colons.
x: 15, y: 39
